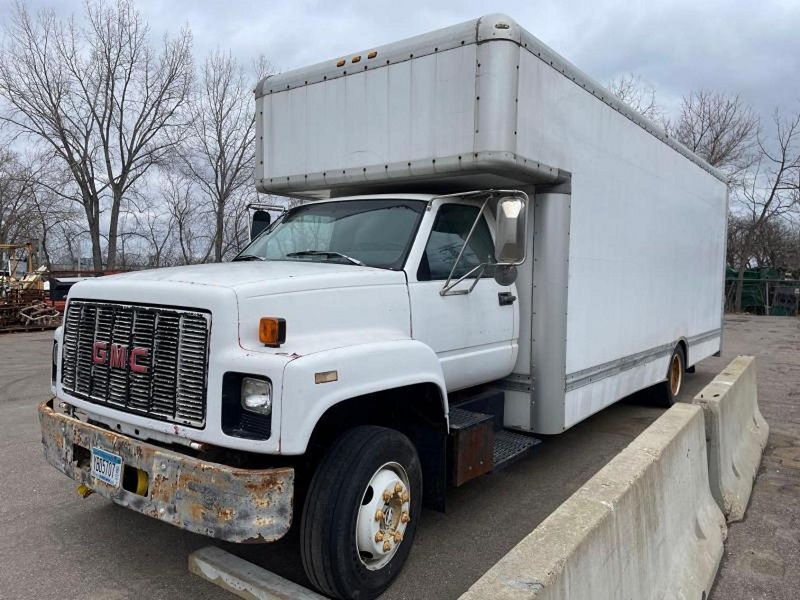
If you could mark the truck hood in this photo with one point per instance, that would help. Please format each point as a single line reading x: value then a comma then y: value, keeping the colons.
x: 325, y: 305
x: 262, y: 277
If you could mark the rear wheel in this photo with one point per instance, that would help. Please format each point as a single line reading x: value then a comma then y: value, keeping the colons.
x: 361, y: 512
x: 669, y: 390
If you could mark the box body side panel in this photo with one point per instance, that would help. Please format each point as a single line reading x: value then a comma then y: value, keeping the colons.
x: 647, y: 237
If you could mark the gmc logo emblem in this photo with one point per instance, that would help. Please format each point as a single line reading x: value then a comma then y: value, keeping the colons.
x: 118, y: 357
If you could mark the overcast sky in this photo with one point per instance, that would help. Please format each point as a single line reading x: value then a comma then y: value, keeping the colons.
x: 746, y: 47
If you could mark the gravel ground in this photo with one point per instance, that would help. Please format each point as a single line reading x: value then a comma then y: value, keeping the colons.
x: 55, y: 545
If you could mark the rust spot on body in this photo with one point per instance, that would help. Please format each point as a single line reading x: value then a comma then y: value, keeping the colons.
x: 228, y: 503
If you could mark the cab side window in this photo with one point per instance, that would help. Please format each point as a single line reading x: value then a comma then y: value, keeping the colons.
x: 450, y: 229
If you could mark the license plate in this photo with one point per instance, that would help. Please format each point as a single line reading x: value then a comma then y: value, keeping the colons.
x: 106, y: 466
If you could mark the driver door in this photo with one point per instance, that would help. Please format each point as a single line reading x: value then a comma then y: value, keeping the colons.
x: 473, y: 334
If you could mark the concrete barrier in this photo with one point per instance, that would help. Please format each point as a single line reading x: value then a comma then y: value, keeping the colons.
x: 645, y: 526
x: 736, y: 435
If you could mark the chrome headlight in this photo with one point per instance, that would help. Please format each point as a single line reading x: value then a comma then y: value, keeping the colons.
x: 256, y: 395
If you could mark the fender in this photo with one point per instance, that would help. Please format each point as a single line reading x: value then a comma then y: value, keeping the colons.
x: 360, y: 369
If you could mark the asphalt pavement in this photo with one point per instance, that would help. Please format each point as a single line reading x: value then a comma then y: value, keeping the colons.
x: 56, y: 545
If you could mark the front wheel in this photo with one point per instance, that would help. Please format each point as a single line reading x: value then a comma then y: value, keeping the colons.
x: 361, y: 512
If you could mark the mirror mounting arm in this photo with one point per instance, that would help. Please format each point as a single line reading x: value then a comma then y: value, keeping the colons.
x: 447, y: 289
x: 449, y: 284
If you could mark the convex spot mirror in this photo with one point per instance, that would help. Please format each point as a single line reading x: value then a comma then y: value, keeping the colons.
x: 261, y: 220
x: 509, y: 243
x: 505, y: 274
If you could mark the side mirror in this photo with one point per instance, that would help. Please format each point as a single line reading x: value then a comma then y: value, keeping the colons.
x: 261, y: 221
x: 509, y: 243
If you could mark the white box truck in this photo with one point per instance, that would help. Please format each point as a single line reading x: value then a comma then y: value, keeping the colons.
x: 493, y: 246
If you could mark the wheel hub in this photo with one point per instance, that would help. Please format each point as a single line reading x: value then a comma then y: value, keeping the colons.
x: 388, y: 517
x: 383, y: 516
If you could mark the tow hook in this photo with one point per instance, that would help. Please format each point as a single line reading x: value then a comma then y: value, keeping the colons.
x: 84, y: 491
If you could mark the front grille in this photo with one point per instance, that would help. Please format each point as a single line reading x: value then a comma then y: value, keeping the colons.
x: 166, y: 380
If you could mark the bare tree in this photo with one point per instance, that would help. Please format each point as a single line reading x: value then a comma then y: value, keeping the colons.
x: 52, y: 217
x: 155, y: 226
x: 766, y: 199
x: 50, y: 210
x: 718, y: 127
x: 220, y: 150
x: 68, y: 252
x: 639, y: 95
x: 17, y: 219
x: 237, y: 223
x: 99, y: 96
x: 192, y: 223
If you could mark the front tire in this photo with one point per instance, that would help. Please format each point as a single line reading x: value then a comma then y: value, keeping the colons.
x: 361, y: 512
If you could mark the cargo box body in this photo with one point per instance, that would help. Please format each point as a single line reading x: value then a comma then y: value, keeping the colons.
x: 628, y: 227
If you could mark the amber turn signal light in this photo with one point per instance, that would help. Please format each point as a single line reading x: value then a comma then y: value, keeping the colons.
x: 272, y: 331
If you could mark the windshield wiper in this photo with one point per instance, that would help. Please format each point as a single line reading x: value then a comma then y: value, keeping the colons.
x: 247, y: 257
x: 352, y: 260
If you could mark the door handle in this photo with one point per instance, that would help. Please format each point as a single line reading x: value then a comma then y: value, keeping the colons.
x: 506, y: 298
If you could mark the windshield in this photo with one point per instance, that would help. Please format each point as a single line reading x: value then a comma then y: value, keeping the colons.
x: 375, y: 233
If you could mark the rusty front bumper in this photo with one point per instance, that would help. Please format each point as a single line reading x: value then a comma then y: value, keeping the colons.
x: 236, y: 505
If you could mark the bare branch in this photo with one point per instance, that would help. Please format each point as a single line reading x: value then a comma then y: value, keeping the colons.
x: 719, y: 128
x: 99, y: 95
x: 219, y: 152
x: 639, y: 95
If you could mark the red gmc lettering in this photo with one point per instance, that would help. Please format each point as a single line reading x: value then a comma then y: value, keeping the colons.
x: 99, y: 353
x: 135, y: 353
x: 119, y: 356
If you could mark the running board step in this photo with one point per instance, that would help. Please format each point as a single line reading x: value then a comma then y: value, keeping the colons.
x: 509, y: 447
x: 469, y: 445
x: 477, y: 446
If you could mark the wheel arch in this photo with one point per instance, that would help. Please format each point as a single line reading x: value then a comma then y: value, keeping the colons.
x: 415, y: 410
x: 372, y: 380
x: 683, y: 344
x: 400, y: 408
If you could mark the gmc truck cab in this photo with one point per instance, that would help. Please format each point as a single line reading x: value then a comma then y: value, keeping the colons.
x: 324, y: 357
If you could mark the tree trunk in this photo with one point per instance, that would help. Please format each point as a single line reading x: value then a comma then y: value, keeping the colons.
x: 93, y: 221
x: 113, y: 229
x: 97, y: 255
x: 220, y: 225
x: 43, y: 248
